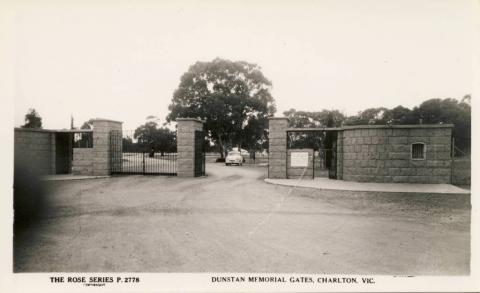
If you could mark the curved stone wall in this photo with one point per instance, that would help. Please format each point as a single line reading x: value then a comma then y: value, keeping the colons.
x: 383, y: 154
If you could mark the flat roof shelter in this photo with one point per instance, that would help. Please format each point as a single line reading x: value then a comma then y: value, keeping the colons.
x: 64, y: 151
x: 49, y: 151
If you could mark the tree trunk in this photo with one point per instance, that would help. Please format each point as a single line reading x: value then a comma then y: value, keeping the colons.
x: 222, y: 146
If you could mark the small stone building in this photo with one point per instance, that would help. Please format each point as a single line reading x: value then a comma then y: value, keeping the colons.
x: 371, y: 153
x: 65, y: 151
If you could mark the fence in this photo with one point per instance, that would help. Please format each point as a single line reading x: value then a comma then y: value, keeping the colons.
x: 131, y: 155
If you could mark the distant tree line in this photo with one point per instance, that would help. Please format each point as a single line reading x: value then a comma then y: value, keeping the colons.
x: 433, y: 111
x: 234, y: 99
x: 150, y: 137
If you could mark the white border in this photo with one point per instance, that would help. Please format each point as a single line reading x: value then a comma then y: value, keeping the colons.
x: 35, y: 282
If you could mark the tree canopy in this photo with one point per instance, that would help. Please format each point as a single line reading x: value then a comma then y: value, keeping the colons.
x: 233, y: 98
x: 315, y: 119
x: 449, y: 110
x: 432, y: 111
x: 87, y: 125
x: 149, y: 136
x: 324, y: 118
x: 32, y: 119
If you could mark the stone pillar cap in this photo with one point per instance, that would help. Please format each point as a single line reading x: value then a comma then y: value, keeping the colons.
x: 104, y: 120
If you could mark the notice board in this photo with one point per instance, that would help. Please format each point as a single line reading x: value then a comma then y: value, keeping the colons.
x: 299, y: 159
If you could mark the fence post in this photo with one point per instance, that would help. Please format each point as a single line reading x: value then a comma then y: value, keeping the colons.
x: 313, y: 164
x: 143, y: 162
x: 452, y: 163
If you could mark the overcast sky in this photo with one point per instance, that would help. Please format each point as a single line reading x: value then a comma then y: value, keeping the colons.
x: 123, y: 61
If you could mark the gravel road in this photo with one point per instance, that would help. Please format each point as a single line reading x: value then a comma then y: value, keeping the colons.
x: 232, y: 221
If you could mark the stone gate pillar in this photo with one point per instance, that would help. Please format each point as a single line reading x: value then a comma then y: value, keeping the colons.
x: 277, y: 147
x: 101, y: 144
x: 186, y: 128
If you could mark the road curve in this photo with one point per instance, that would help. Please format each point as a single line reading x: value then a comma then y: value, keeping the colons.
x: 232, y: 221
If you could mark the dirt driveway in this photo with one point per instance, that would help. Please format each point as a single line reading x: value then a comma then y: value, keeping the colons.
x: 232, y: 221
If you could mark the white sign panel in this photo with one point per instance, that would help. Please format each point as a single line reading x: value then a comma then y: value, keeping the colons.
x: 299, y: 159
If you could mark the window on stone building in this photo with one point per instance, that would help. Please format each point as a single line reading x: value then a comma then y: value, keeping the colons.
x: 418, y: 151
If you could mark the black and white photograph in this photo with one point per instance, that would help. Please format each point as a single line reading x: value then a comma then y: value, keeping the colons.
x: 240, y: 145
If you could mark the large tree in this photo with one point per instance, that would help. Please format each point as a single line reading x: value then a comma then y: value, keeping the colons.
x: 449, y: 110
x: 233, y: 98
x: 32, y: 119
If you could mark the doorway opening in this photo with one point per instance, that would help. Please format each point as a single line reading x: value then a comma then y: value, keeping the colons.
x: 319, y: 148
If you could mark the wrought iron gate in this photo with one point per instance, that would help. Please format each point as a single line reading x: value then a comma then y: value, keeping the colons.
x: 132, y: 155
x: 199, y: 153
x: 325, y: 163
x: 323, y: 143
x: 332, y: 169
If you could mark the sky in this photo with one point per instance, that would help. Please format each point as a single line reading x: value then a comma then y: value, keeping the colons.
x: 123, y: 60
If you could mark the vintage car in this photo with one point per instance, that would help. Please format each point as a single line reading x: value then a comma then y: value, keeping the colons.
x: 234, y: 157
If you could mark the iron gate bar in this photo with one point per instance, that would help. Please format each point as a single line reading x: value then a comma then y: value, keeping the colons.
x: 128, y: 156
x: 199, y: 153
x: 135, y: 167
x: 331, y: 168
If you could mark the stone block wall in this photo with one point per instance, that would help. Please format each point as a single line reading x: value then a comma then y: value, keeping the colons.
x: 186, y: 128
x: 277, y: 145
x: 383, y: 154
x: 34, y: 149
x: 101, y: 145
x: 461, y: 171
x: 339, y: 155
x: 297, y: 172
x: 82, y: 161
